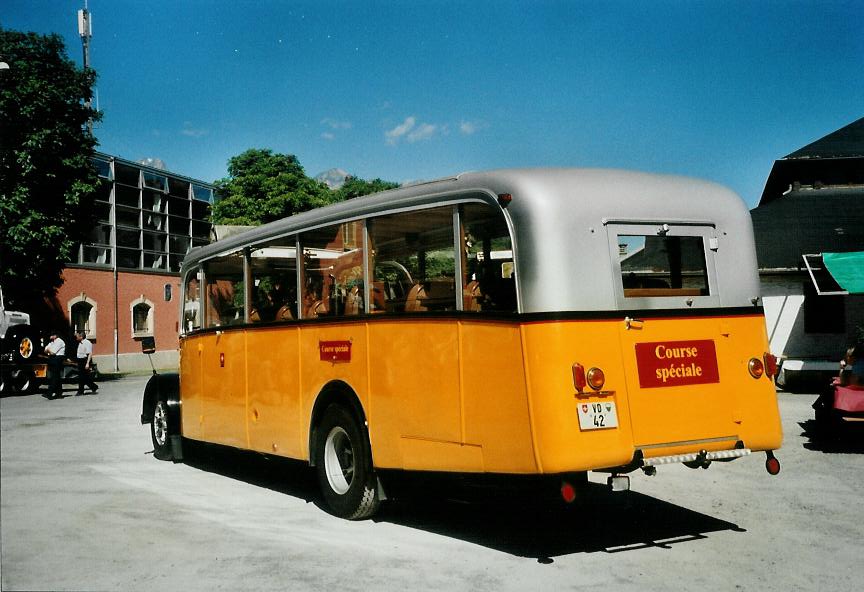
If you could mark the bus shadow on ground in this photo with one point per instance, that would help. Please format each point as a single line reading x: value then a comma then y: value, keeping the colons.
x: 516, y: 524
x: 838, y: 439
x: 279, y: 474
x: 606, y: 522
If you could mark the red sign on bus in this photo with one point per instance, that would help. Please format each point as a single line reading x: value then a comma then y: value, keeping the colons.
x: 676, y: 363
x: 335, y: 351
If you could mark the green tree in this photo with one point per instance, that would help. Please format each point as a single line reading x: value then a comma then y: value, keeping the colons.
x: 262, y: 186
x: 47, y: 181
x: 355, y: 187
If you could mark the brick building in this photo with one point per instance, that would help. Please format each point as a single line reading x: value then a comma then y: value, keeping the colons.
x: 125, y: 283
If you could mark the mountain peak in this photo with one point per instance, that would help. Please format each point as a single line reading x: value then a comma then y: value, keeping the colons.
x: 334, y: 178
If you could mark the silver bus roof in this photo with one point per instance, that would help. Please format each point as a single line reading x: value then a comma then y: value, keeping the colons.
x: 561, y: 219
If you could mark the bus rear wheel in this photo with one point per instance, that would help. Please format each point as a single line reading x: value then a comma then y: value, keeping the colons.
x: 343, y: 461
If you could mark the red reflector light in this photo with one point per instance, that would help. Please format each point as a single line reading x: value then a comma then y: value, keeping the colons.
x: 596, y: 378
x: 770, y: 364
x: 579, y: 377
x: 504, y: 199
x: 568, y: 492
x: 772, y: 465
x: 756, y: 367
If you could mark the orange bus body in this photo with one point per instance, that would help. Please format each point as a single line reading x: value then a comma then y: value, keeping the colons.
x: 477, y: 395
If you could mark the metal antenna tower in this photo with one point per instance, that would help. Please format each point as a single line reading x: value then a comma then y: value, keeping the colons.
x: 85, y: 30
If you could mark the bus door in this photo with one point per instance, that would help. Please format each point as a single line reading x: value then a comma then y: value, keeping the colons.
x: 417, y: 354
x: 191, y: 351
x: 673, y: 355
x: 224, y: 353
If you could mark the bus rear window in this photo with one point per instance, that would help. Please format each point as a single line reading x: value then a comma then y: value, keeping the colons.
x: 657, y: 266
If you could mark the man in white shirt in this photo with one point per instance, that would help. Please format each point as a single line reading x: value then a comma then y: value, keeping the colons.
x: 84, y: 357
x: 56, y: 350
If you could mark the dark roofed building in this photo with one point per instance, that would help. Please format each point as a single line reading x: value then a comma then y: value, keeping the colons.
x: 813, y: 203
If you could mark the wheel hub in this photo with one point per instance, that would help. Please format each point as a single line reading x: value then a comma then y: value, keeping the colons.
x: 339, y: 460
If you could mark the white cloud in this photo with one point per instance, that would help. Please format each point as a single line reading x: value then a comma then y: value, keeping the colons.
x: 394, y: 135
x: 328, y: 136
x: 193, y: 132
x: 336, y: 124
x: 423, y: 132
x: 468, y: 128
x: 412, y: 131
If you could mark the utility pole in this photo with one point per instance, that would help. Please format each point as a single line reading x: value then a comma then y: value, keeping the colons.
x: 85, y: 30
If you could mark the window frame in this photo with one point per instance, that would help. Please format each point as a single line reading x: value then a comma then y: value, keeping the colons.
x: 82, y: 298
x: 705, y: 231
x: 452, y: 202
x: 151, y: 315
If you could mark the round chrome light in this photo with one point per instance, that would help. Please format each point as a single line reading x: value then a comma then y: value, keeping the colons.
x: 595, y: 378
x: 756, y: 367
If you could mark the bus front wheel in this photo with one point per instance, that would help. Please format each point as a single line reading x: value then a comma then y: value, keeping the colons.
x: 343, y: 461
x: 159, y: 432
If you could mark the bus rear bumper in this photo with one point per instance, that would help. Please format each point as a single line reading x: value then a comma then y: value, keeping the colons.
x: 694, y: 460
x: 700, y: 457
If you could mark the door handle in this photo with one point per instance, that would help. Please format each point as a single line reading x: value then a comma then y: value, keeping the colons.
x: 631, y: 323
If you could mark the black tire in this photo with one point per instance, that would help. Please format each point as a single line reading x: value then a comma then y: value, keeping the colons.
x: 343, y: 461
x: 24, y: 381
x: 160, y: 432
x: 24, y: 343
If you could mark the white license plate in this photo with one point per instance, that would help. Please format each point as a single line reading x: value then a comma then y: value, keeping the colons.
x: 597, y: 415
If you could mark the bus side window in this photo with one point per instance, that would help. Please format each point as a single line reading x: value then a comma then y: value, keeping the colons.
x: 274, y: 281
x: 225, y: 301
x: 192, y: 302
x: 333, y: 271
x: 489, y: 277
x: 413, y: 263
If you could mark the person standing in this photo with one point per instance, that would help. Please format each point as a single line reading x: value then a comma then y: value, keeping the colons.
x: 84, y: 357
x: 56, y: 350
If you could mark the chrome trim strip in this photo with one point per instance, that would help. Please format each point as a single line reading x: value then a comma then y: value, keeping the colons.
x: 688, y: 442
x: 684, y: 458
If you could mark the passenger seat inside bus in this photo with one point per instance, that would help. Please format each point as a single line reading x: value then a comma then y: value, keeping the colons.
x: 353, y: 301
x: 415, y: 298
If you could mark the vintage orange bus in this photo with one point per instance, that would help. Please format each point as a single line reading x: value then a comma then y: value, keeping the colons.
x: 516, y: 322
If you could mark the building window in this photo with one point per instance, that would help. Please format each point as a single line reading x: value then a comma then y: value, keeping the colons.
x: 148, y: 220
x: 82, y: 315
x: 103, y: 167
x: 823, y: 314
x: 142, y: 317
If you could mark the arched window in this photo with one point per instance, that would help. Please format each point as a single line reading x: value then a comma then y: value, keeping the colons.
x: 82, y: 314
x: 142, y: 317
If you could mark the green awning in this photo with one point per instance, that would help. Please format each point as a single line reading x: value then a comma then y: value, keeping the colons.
x: 847, y: 269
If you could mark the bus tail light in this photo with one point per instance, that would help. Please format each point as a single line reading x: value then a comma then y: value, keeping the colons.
x: 596, y: 378
x: 770, y: 364
x: 756, y: 367
x: 579, y: 380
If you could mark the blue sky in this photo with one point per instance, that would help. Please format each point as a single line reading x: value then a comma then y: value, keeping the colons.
x: 409, y: 90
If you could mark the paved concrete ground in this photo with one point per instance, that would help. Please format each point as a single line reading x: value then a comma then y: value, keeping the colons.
x: 85, y: 506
